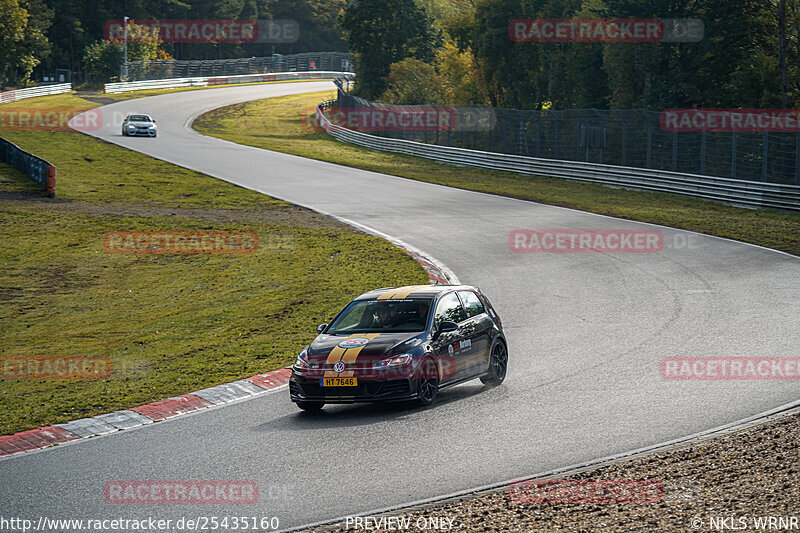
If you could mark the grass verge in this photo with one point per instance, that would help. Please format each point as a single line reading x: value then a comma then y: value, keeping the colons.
x: 278, y: 124
x: 170, y: 324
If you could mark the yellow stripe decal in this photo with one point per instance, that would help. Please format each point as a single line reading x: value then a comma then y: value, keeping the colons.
x: 405, y: 291
x: 347, y: 355
x: 388, y: 294
x: 400, y: 292
x: 351, y: 354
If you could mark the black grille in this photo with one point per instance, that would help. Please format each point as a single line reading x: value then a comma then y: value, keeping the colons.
x: 365, y: 388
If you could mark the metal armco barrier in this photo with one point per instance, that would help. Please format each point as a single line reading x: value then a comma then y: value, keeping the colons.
x: 738, y: 192
x: 194, y: 68
x: 220, y: 80
x: 36, y: 168
x: 638, y: 138
x: 43, y: 90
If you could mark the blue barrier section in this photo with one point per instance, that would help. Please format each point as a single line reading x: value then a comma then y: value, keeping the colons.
x: 35, y: 167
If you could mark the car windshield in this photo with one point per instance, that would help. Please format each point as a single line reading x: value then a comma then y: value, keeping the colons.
x: 139, y: 118
x: 376, y: 316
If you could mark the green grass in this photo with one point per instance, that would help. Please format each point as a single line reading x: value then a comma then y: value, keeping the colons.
x: 171, y: 324
x: 277, y: 124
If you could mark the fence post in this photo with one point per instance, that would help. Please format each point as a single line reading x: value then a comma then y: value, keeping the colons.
x: 675, y: 151
x: 734, y: 140
x: 649, y: 143
x: 490, y: 128
x: 797, y: 159
x: 624, y: 142
x: 557, y: 136
x: 703, y: 139
x: 539, y: 135
x: 764, y: 153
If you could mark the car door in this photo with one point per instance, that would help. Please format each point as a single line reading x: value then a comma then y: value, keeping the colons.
x: 452, y: 348
x: 477, y: 328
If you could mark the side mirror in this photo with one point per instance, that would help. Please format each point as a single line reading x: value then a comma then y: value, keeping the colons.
x: 321, y: 328
x: 444, y: 327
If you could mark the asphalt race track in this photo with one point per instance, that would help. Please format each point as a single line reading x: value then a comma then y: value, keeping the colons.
x: 586, y: 334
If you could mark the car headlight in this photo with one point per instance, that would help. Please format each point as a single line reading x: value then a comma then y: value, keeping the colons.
x: 152, y: 126
x: 301, y: 363
x: 397, y: 360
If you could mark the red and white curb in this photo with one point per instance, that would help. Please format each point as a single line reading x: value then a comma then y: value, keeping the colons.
x: 435, y: 274
x: 84, y: 428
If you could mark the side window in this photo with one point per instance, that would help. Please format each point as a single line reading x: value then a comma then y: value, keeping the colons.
x: 472, y: 303
x: 449, y: 308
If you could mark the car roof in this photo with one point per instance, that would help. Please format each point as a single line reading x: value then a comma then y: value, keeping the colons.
x: 411, y: 291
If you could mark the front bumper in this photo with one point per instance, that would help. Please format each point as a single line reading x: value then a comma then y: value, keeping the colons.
x: 308, y: 389
x: 142, y: 132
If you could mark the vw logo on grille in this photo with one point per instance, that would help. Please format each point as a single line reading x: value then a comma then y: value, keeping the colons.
x: 339, y: 366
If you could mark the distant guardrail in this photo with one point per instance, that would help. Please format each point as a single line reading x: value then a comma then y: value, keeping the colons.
x: 764, y: 147
x: 34, y: 167
x: 192, y: 68
x: 210, y: 81
x: 739, y: 192
x: 30, y: 92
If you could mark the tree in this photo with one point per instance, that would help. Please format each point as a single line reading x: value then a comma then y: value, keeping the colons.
x: 317, y: 20
x: 459, y: 77
x: 383, y: 32
x: 104, y: 58
x: 22, y: 40
x: 413, y: 82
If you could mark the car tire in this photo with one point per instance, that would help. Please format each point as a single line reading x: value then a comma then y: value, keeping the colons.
x: 428, y: 383
x: 498, y: 365
x: 311, y: 407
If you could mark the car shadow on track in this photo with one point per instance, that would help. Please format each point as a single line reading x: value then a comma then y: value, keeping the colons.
x: 364, y: 414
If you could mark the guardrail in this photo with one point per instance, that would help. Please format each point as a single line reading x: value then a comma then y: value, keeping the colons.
x: 738, y: 192
x: 30, y: 92
x: 35, y: 167
x: 160, y: 69
x: 210, y: 81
